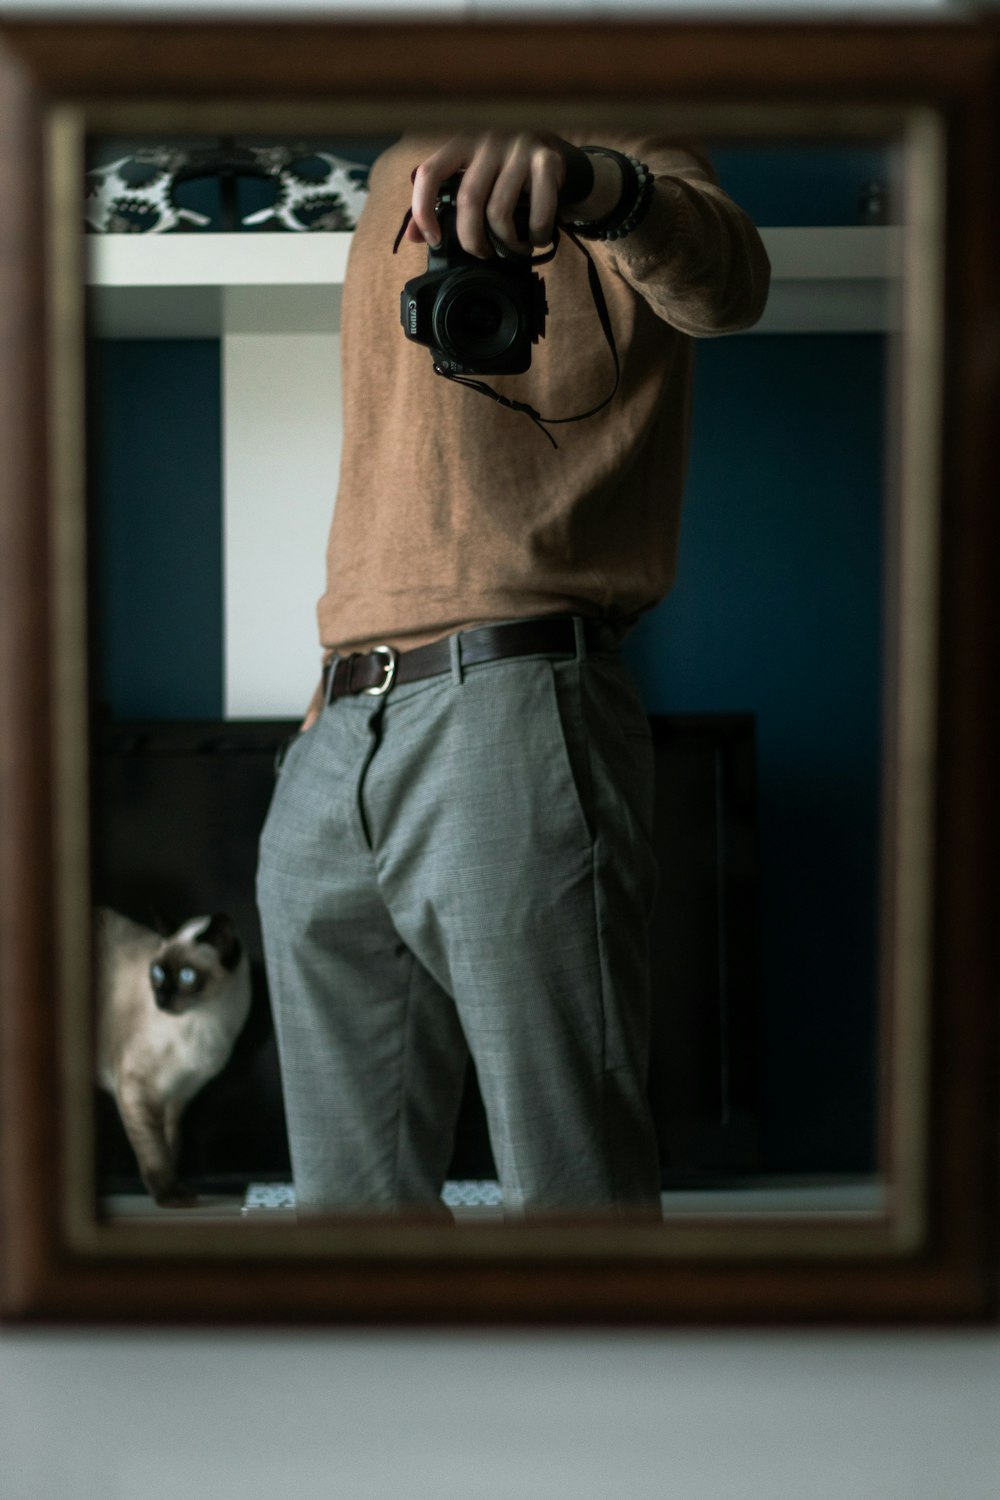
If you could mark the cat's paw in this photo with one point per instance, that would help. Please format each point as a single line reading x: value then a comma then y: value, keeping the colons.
x: 177, y: 1195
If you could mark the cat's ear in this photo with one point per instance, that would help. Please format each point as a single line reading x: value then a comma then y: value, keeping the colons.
x: 221, y: 935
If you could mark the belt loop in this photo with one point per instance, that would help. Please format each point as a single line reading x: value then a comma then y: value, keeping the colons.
x: 581, y: 638
x: 331, y: 672
x: 455, y: 651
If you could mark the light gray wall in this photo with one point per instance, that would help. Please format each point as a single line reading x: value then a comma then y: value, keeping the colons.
x: 703, y: 1416
x: 700, y: 1416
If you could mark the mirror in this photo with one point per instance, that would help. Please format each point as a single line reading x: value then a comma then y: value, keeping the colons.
x: 791, y: 674
x: 763, y: 1086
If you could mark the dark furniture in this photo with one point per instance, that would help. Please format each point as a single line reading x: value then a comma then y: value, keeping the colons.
x: 177, y: 812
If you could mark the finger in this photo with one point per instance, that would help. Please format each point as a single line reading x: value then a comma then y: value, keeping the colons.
x: 477, y: 187
x: 424, y: 224
x: 547, y: 172
x: 427, y: 180
x: 508, y: 189
x: 534, y: 169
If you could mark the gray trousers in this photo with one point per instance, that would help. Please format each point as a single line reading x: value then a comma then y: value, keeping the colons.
x: 465, y: 865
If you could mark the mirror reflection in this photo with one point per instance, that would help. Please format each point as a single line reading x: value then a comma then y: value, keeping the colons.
x: 564, y: 739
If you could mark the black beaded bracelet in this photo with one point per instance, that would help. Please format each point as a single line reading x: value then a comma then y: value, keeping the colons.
x: 631, y: 208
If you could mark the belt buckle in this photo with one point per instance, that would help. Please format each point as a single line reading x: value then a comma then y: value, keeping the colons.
x: 391, y: 658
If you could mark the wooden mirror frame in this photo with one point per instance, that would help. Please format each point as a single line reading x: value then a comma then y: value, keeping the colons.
x: 937, y: 1264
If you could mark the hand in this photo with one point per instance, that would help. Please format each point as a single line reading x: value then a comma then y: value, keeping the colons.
x: 314, y: 710
x: 497, y: 167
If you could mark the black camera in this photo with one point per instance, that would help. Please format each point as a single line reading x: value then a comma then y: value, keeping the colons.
x: 477, y: 317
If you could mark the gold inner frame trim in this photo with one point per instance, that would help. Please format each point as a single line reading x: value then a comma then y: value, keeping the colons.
x: 909, y: 703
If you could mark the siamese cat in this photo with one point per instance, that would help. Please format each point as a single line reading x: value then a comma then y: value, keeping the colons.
x: 169, y: 1010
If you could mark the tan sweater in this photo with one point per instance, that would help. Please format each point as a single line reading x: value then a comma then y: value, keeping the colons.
x: 452, y: 510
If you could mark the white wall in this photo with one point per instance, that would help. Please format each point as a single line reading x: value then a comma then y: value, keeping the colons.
x: 464, y: 1416
x: 281, y: 440
x: 720, y: 1416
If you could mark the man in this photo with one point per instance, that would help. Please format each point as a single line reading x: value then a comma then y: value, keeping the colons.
x: 458, y: 855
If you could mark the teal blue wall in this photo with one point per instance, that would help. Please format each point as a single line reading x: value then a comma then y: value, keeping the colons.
x: 793, y: 185
x: 777, y: 610
x: 156, y: 498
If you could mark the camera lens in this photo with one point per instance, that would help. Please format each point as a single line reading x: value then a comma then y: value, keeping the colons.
x: 475, y: 318
x: 481, y: 317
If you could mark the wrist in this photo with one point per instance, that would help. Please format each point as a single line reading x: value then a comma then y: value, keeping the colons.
x: 604, y: 194
x: 633, y: 200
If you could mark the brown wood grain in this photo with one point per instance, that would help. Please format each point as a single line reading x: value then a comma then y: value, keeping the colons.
x: 28, y: 1157
x: 701, y: 60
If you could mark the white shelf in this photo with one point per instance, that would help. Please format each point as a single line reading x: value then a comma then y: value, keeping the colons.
x: 280, y: 259
x: 842, y: 279
x: 208, y: 285
x: 833, y: 280
x: 842, y: 253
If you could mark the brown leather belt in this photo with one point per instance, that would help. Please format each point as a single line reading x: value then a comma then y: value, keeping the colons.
x: 376, y: 671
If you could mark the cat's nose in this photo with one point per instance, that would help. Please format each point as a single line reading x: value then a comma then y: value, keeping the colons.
x: 163, y: 990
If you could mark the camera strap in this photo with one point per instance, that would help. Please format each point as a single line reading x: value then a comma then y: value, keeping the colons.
x: 601, y: 306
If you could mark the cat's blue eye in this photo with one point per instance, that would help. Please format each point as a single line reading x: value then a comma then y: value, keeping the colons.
x: 157, y: 974
x: 188, y: 978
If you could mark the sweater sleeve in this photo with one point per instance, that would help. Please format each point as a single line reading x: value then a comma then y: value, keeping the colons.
x: 696, y: 257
